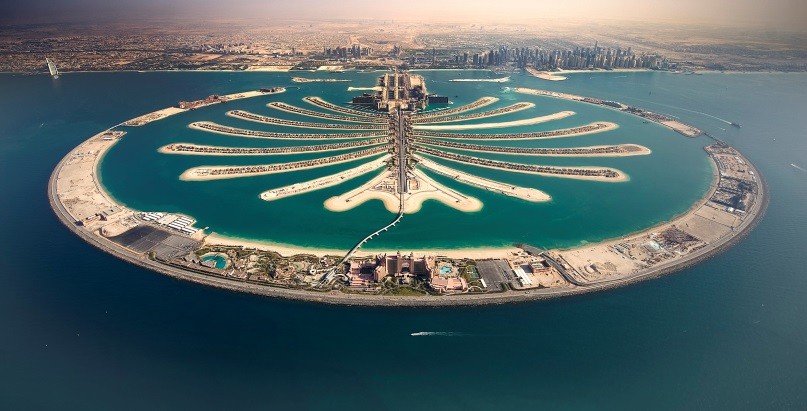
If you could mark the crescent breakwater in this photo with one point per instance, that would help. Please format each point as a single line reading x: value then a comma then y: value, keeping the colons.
x: 735, y: 203
x: 666, y: 121
x: 241, y: 132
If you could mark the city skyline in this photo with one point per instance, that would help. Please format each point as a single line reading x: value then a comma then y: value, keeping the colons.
x: 775, y: 15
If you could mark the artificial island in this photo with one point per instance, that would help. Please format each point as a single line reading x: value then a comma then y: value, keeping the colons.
x: 400, y: 134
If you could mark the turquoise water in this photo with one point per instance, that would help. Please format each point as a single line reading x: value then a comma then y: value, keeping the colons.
x: 580, y: 211
x: 83, y: 330
x: 221, y: 262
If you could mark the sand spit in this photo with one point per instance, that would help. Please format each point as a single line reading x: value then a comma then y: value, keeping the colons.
x: 203, y: 150
x: 288, y: 108
x: 319, y: 80
x: 211, y: 127
x: 481, y: 80
x: 482, y: 102
x: 204, y: 173
x: 485, y: 114
x: 545, y: 75
x: 322, y: 182
x: 505, y: 124
x: 381, y: 188
x: 619, y: 150
x: 245, y: 115
x: 604, y: 174
x: 524, y: 193
x: 339, y: 109
x: 597, y: 127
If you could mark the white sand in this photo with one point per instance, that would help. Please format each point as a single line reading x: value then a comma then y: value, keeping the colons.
x: 524, y: 193
x: 322, y: 182
x: 503, y: 124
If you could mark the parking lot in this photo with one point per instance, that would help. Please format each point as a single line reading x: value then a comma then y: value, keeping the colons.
x: 496, y: 273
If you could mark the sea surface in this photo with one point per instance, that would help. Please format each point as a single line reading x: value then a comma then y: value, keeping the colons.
x: 83, y: 330
x: 136, y: 174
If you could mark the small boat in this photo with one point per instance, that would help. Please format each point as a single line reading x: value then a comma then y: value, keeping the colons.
x: 736, y: 125
x: 54, y: 72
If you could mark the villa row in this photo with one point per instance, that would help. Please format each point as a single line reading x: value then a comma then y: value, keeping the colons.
x: 483, y: 114
x: 317, y: 162
x: 327, y: 116
x: 339, y: 109
x: 530, y: 168
x: 570, y: 151
x: 482, y: 102
x: 218, y: 128
x: 302, y: 124
x: 193, y: 148
x: 589, y: 128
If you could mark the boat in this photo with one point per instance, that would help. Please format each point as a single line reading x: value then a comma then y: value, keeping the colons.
x: 54, y: 72
x: 736, y: 125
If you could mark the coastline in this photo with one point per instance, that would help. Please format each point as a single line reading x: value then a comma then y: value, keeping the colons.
x: 338, y: 297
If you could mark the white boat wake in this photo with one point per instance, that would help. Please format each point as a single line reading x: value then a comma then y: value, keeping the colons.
x: 798, y: 167
x: 437, y: 334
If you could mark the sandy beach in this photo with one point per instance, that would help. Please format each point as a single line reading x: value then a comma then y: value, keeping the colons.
x: 322, y: 182
x: 289, y: 250
x: 513, y: 108
x: 382, y: 188
x: 504, y: 124
x: 524, y: 193
x: 545, y: 75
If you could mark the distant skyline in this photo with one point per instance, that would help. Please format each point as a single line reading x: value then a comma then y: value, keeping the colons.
x: 773, y: 14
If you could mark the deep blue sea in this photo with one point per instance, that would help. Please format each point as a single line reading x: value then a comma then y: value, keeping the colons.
x: 82, y: 330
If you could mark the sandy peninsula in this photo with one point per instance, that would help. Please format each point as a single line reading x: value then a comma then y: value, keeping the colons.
x: 204, y: 173
x: 190, y: 149
x: 504, y: 124
x: 524, y: 193
x: 323, y: 182
x: 545, y: 75
x: 210, y: 127
x: 382, y: 186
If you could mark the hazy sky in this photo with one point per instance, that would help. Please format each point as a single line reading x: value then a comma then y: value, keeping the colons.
x: 769, y: 13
